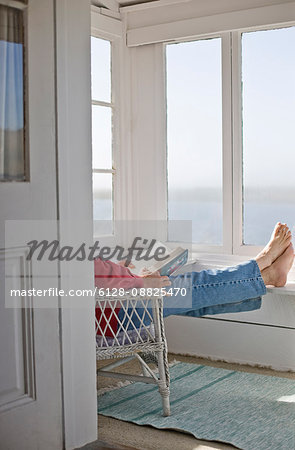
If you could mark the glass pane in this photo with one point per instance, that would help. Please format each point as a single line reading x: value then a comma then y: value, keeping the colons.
x: 103, y: 203
x: 12, y: 149
x: 101, y: 137
x: 268, y: 94
x: 194, y: 137
x: 101, y: 69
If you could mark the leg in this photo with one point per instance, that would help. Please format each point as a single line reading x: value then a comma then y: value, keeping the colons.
x: 233, y: 289
x: 217, y: 291
x: 237, y: 288
x: 163, y: 384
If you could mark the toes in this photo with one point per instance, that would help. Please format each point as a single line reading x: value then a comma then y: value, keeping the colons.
x: 281, y: 231
x: 287, y: 232
x: 277, y: 228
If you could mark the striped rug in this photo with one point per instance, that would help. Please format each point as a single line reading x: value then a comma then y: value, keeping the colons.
x: 250, y: 411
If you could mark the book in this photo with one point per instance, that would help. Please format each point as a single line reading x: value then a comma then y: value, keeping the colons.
x: 176, y: 259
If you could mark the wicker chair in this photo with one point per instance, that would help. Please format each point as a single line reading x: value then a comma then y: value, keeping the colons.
x: 139, y: 334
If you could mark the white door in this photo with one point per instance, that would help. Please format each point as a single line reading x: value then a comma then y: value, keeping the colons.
x: 30, y: 380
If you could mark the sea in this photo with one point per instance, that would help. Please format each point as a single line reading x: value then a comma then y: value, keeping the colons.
x: 206, y: 217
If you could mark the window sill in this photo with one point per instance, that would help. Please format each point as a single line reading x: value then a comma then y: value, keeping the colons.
x: 210, y: 261
x: 289, y: 289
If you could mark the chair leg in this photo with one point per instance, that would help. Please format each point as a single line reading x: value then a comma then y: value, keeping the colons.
x: 145, y: 373
x: 166, y: 406
x: 163, y: 385
x: 148, y: 358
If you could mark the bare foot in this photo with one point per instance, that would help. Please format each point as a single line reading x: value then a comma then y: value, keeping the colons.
x: 279, y: 241
x: 276, y: 274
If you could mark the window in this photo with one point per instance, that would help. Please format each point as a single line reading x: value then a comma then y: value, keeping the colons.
x: 102, y: 135
x: 13, y: 165
x: 268, y: 133
x: 231, y: 138
x: 194, y: 109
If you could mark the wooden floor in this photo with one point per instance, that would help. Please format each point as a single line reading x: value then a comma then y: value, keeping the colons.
x: 100, y: 445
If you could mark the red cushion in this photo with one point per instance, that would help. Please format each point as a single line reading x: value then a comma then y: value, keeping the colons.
x: 113, y: 323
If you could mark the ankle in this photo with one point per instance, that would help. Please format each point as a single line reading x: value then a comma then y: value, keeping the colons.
x: 263, y: 262
x: 266, y: 276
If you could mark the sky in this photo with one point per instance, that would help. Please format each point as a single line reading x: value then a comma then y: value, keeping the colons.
x: 194, y: 110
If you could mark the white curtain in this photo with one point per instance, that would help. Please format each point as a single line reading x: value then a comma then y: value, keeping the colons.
x: 12, y: 148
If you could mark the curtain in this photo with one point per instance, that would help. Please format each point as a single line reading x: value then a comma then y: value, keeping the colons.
x: 12, y: 148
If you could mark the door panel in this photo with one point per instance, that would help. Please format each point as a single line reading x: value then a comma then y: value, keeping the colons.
x: 30, y: 380
x: 16, y: 335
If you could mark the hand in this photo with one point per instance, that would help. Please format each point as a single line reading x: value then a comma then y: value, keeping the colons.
x: 122, y: 263
x: 144, y: 272
x: 155, y: 280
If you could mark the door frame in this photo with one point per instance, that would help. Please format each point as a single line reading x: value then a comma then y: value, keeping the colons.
x: 74, y: 180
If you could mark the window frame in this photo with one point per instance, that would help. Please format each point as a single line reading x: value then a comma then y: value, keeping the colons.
x: 232, y: 150
x: 226, y: 247
x: 102, y: 28
x: 239, y: 248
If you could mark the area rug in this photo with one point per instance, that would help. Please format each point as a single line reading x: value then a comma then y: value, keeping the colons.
x: 250, y: 411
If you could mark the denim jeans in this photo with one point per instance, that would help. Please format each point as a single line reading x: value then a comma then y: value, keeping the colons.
x: 217, y: 291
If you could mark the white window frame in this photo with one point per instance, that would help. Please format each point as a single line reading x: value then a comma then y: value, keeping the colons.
x: 226, y: 247
x: 232, y: 157
x: 110, y: 29
x: 238, y: 247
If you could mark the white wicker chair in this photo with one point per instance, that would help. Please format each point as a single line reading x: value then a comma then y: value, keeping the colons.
x: 140, y: 334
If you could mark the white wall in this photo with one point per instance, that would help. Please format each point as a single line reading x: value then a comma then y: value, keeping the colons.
x: 264, y: 337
